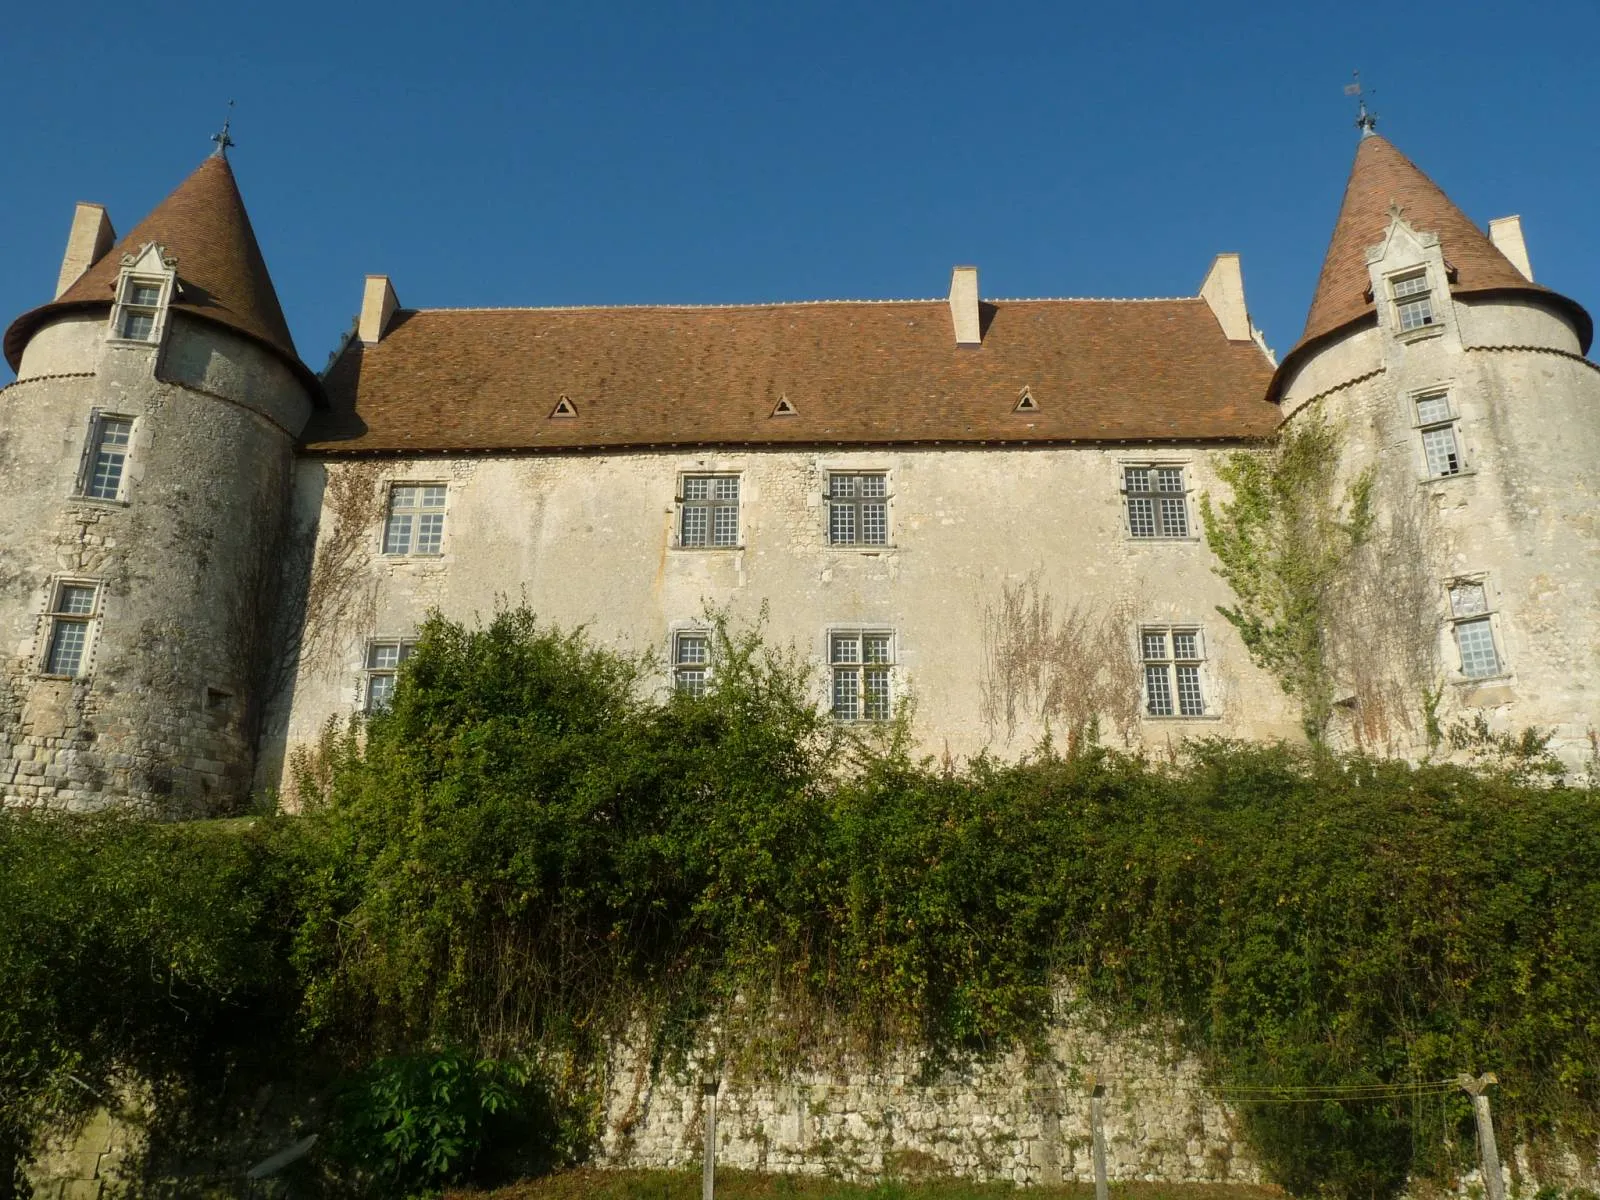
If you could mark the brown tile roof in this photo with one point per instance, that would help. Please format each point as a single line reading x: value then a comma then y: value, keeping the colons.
x: 1380, y: 177
x: 854, y: 373
x: 221, y: 274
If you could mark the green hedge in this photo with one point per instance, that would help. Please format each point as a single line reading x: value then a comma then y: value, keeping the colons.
x: 527, y: 851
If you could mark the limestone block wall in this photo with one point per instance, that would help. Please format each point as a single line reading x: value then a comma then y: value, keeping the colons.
x: 1016, y: 1119
x: 160, y: 712
x: 591, y: 540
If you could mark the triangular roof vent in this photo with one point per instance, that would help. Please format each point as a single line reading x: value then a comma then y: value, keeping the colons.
x: 1026, y: 402
x: 784, y: 409
x: 564, y: 408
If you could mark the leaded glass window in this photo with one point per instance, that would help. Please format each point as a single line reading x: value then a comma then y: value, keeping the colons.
x: 710, y: 512
x: 1172, y: 683
x: 1413, y: 305
x: 858, y: 509
x: 1157, y: 504
x: 70, y: 618
x: 691, y: 661
x: 862, y: 666
x: 415, y: 524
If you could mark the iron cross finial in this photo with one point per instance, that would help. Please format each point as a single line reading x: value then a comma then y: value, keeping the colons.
x: 1366, y: 121
x: 222, y: 139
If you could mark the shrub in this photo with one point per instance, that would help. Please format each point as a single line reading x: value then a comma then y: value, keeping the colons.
x: 415, y: 1123
x: 527, y: 852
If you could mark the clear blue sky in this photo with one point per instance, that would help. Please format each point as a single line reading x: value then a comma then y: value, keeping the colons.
x: 539, y: 154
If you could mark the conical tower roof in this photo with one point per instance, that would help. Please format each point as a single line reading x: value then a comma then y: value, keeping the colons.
x: 1380, y: 179
x: 221, y: 274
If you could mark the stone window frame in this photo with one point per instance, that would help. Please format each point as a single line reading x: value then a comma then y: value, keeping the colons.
x: 1432, y: 293
x: 1461, y: 616
x: 690, y: 674
x: 132, y: 276
x: 1447, y: 422
x: 860, y: 668
x: 1158, y: 525
x: 1172, y: 668
x: 57, y: 615
x: 684, y: 503
x: 842, y: 471
x: 89, y: 460
x: 372, y: 669
x: 415, y: 512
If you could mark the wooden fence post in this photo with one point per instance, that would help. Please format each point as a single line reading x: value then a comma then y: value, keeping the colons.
x: 708, y: 1171
x: 1097, y: 1128
x: 1488, y: 1153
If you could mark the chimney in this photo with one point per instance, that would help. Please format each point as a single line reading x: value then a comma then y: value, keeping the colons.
x: 1506, y: 234
x: 87, y: 244
x: 1223, y: 290
x: 964, y: 306
x: 378, y: 303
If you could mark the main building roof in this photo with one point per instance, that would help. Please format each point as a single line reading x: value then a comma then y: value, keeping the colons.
x: 853, y: 372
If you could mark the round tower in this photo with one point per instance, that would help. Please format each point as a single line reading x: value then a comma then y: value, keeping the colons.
x: 1461, y: 385
x: 146, y: 448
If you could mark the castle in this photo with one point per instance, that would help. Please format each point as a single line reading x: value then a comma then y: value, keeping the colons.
x: 983, y: 513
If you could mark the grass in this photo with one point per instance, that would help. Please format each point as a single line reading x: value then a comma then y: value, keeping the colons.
x: 591, y: 1184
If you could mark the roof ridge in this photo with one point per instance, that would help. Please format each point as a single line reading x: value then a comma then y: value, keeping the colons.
x: 765, y: 304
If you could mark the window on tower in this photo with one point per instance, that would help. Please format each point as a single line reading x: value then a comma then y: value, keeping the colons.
x: 73, y: 608
x: 1441, y: 445
x: 1413, y: 304
x: 137, y: 313
x: 103, y: 473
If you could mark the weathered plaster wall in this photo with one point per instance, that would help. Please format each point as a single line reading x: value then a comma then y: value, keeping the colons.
x: 179, y: 564
x: 1522, y: 514
x: 589, y: 540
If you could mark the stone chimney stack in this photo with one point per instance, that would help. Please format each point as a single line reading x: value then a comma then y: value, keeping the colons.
x: 964, y: 306
x: 378, y: 305
x: 1223, y: 290
x: 1506, y: 234
x: 87, y: 244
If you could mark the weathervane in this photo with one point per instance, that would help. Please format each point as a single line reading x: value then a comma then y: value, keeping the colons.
x: 222, y: 139
x: 1366, y: 121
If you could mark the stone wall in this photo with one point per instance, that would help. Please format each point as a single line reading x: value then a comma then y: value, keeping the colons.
x: 1018, y: 1118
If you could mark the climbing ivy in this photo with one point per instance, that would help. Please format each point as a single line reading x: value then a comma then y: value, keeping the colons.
x: 1284, y: 542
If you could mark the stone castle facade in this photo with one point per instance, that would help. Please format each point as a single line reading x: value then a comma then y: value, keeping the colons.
x: 981, y: 513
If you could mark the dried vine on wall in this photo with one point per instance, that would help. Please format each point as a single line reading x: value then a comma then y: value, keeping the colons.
x: 1068, y: 669
x: 341, y: 595
x: 1382, y: 632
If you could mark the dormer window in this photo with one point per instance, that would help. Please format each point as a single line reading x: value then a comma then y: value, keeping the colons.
x: 1413, y: 306
x: 144, y: 289
x: 137, y: 316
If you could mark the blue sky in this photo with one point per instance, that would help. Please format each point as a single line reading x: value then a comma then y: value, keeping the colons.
x: 541, y: 154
